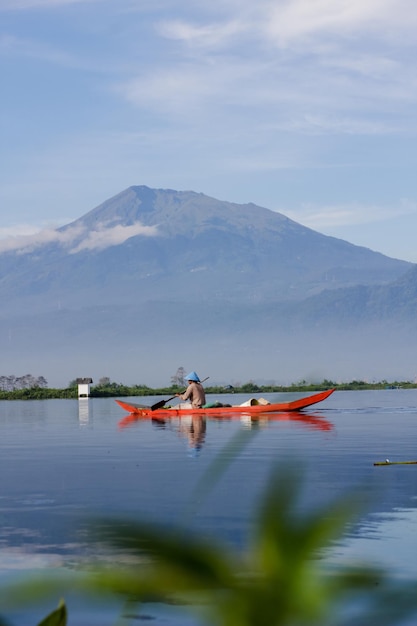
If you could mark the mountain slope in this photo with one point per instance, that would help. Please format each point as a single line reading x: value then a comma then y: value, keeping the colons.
x: 392, y: 304
x: 146, y: 244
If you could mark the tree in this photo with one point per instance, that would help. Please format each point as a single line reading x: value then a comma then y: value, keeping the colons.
x: 178, y: 379
x: 41, y: 382
x: 25, y: 382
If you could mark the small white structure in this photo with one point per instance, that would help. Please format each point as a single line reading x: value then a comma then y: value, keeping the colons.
x: 84, y: 387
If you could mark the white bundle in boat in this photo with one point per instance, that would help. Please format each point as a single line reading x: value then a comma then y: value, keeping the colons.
x: 255, y: 402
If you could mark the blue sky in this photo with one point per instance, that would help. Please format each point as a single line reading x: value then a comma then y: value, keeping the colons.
x: 307, y: 107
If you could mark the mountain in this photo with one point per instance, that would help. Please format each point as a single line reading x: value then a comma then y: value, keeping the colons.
x: 147, y: 244
x: 154, y: 279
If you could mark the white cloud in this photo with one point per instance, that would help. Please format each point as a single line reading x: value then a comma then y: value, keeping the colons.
x: 8, y: 5
x: 316, y: 124
x: 198, y: 88
x: 389, y: 230
x: 364, y: 64
x: 30, y: 48
x: 291, y: 22
x: 26, y: 239
x: 104, y: 237
x: 295, y: 20
x: 324, y: 63
x: 336, y: 216
x: 18, y: 231
x: 205, y: 35
x: 171, y: 88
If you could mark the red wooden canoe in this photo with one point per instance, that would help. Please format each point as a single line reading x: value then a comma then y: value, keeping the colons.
x: 293, y: 405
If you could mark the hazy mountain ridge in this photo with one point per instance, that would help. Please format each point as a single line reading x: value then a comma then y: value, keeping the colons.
x: 395, y: 303
x: 155, y: 279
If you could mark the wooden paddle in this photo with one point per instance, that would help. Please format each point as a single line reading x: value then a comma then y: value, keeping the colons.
x: 160, y: 404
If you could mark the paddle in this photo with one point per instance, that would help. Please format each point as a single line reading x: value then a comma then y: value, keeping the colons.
x: 160, y: 404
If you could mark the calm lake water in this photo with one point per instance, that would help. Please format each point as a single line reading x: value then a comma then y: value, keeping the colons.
x: 63, y: 462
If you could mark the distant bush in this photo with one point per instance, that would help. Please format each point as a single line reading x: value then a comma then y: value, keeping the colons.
x: 112, y: 389
x: 36, y: 393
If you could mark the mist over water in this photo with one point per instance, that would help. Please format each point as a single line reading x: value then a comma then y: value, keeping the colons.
x: 370, y: 354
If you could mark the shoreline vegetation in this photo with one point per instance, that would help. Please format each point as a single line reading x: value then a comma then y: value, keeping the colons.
x: 112, y: 389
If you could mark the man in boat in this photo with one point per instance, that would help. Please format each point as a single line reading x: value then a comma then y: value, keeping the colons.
x: 194, y: 392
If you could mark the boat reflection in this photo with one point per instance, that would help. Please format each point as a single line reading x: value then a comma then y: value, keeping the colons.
x: 194, y: 427
x: 314, y: 422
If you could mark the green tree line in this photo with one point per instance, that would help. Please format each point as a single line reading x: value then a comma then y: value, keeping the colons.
x: 108, y: 389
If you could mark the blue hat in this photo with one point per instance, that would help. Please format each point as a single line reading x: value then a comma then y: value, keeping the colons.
x: 192, y: 376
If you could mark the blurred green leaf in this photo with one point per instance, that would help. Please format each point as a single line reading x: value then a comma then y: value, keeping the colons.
x: 57, y: 617
x: 281, y: 581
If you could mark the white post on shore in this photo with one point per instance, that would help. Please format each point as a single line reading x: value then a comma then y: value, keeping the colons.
x: 84, y: 387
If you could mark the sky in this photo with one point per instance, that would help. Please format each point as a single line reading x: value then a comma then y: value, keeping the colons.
x: 306, y: 107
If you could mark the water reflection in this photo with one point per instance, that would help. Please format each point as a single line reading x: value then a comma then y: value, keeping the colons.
x: 387, y: 540
x: 84, y: 411
x: 314, y: 422
x: 17, y: 558
x: 63, y: 461
x: 194, y: 427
